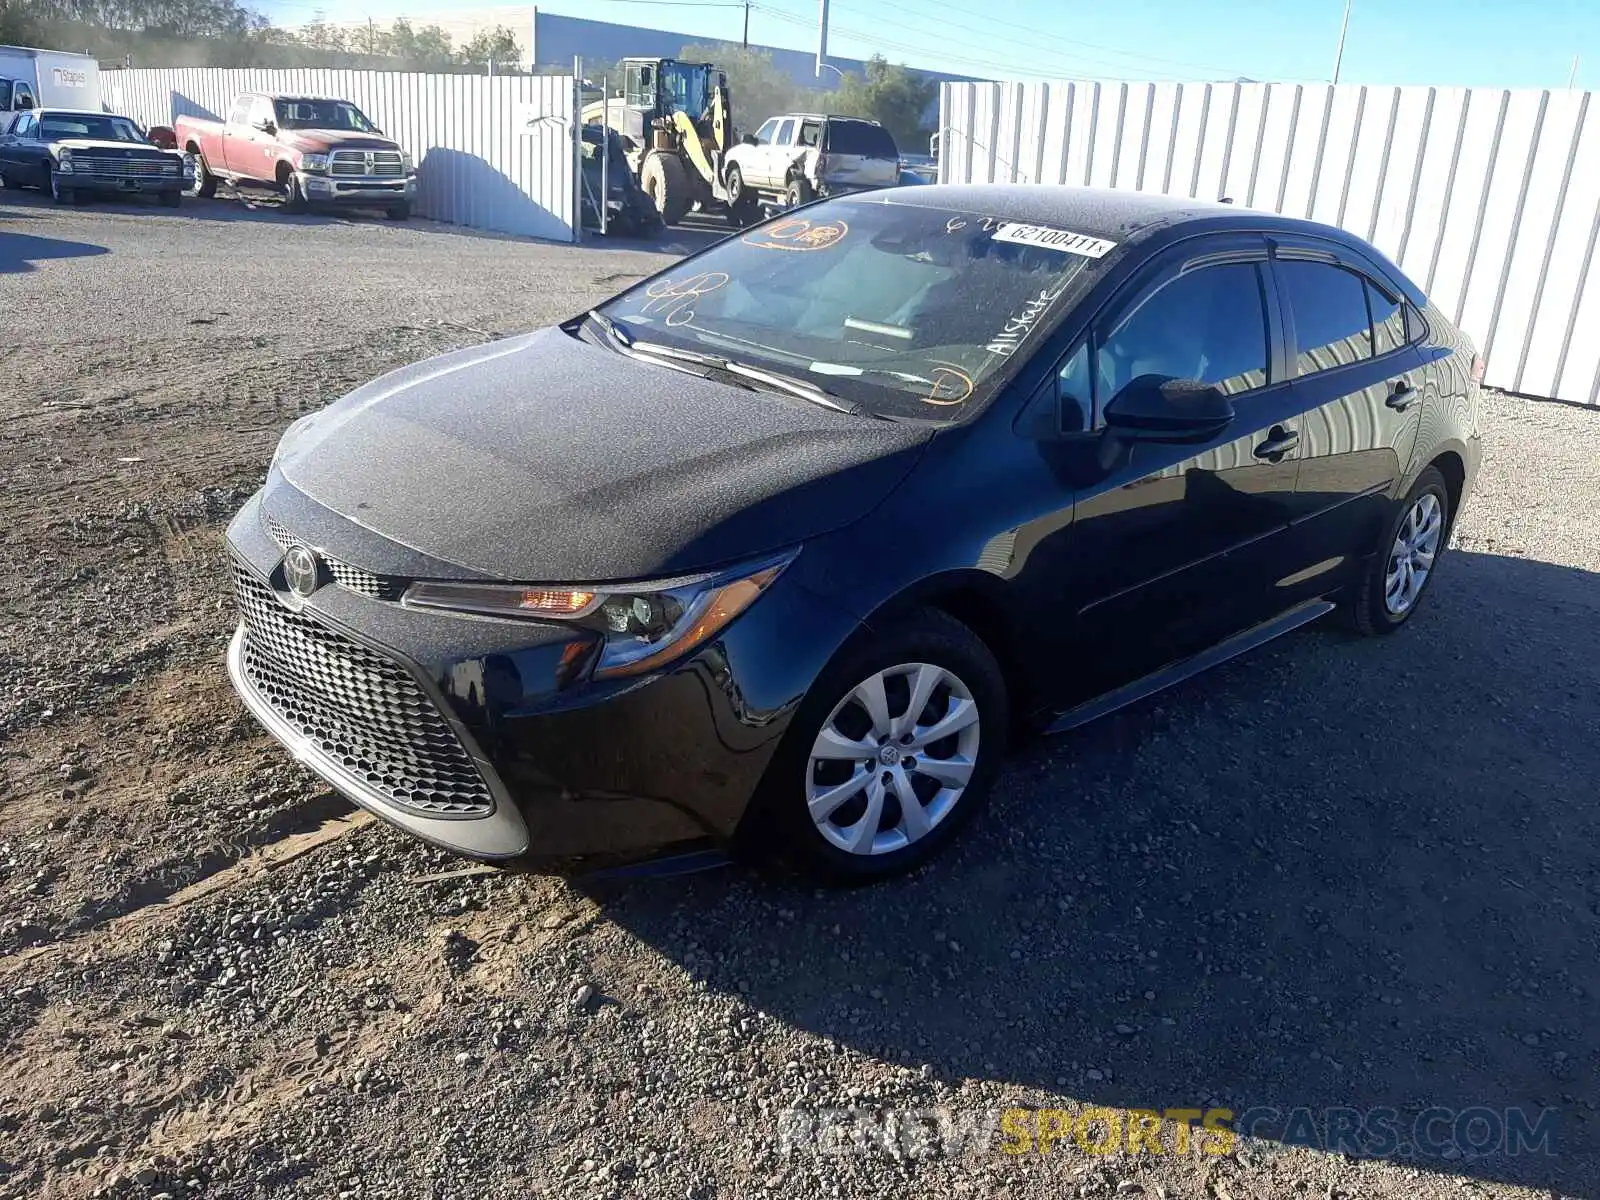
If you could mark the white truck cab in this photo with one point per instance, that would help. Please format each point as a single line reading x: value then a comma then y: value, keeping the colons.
x: 48, y: 79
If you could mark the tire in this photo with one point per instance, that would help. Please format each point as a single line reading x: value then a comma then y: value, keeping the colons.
x: 1372, y: 608
x: 294, y: 200
x: 743, y: 204
x: 798, y: 192
x: 926, y: 645
x: 58, y: 193
x: 667, y: 184
x: 399, y: 212
x: 205, y: 183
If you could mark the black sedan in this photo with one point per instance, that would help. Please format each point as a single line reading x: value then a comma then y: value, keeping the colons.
x: 784, y: 543
x: 75, y: 155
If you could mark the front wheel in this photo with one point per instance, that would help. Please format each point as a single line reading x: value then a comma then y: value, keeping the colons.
x: 294, y: 196
x: 59, y: 192
x: 893, y: 749
x: 399, y: 212
x: 204, y: 184
x: 799, y: 192
x: 1406, y: 560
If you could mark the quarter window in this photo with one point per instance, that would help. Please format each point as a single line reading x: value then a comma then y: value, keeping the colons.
x: 1329, y: 305
x: 1209, y: 325
x: 1388, y: 321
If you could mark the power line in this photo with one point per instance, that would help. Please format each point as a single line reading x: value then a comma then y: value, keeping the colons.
x: 984, y: 65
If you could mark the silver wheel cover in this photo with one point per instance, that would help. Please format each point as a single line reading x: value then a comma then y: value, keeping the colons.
x: 893, y: 759
x: 1411, y: 559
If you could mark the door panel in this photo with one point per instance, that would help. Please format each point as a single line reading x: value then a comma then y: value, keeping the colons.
x: 1361, y: 414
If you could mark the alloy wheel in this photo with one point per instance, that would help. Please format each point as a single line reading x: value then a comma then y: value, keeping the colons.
x: 893, y: 759
x: 1416, y: 546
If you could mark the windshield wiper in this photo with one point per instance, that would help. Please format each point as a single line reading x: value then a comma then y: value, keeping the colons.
x: 622, y: 337
x: 803, y: 388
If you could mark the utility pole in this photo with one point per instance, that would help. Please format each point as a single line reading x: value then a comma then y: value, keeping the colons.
x: 1572, y: 75
x: 1338, y: 55
x: 747, y: 24
x: 822, y: 34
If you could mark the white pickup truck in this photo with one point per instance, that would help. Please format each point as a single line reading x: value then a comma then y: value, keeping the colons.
x: 795, y: 158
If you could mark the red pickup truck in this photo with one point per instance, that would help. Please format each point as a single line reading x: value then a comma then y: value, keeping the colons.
x: 315, y: 150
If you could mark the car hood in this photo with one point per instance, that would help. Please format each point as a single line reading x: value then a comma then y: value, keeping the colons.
x: 545, y: 459
x: 320, y: 141
x: 127, y: 149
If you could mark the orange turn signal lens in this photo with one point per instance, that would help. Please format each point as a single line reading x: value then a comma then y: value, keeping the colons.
x: 726, y: 603
x: 551, y: 603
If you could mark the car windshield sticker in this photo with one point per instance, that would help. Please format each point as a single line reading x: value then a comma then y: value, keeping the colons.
x: 798, y: 233
x: 1054, y: 239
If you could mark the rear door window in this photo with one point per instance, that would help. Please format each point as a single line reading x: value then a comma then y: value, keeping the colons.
x: 1208, y: 324
x: 860, y: 137
x: 1328, y: 306
x: 785, y: 133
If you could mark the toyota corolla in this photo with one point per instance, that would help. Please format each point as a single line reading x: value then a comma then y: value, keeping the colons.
x: 785, y: 542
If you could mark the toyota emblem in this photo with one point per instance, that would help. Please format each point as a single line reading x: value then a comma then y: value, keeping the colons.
x: 300, y: 570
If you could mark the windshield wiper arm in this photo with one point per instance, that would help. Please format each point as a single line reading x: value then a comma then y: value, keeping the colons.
x: 803, y: 388
x: 623, y: 338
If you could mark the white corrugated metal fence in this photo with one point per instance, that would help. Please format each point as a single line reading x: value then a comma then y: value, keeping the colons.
x: 1488, y: 199
x: 492, y: 153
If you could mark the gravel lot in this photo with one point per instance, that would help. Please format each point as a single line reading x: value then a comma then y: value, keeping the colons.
x: 1335, y: 874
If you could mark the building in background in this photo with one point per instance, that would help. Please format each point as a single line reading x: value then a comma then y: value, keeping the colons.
x: 546, y: 39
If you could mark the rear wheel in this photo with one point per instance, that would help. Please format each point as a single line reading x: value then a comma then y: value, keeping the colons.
x: 667, y: 184
x: 205, y: 183
x: 1400, y: 571
x: 893, y: 749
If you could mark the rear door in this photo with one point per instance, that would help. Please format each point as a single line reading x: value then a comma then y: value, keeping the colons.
x: 1359, y: 380
x: 859, y: 154
x: 22, y: 152
x: 1172, y: 547
x: 775, y: 155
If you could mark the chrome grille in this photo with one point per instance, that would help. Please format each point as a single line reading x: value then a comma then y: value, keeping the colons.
x: 123, y: 168
x: 379, y: 587
x: 385, y: 163
x: 362, y: 712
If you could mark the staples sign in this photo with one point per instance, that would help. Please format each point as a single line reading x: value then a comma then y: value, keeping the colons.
x: 68, y: 78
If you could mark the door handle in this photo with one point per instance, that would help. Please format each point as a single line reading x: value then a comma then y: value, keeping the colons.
x: 1279, y: 442
x: 1403, y: 396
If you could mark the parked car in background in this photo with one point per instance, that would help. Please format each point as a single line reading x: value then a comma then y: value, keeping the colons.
x: 314, y: 150
x: 794, y: 159
x: 79, y: 155
x: 783, y: 542
x: 32, y: 78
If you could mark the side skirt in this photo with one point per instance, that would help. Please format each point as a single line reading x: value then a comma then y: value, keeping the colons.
x: 1157, y: 681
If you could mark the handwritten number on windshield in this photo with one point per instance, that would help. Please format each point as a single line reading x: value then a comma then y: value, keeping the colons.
x: 673, y: 300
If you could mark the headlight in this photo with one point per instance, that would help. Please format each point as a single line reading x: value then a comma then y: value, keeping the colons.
x: 64, y: 162
x: 188, y: 164
x: 405, y: 162
x: 313, y: 162
x: 642, y: 626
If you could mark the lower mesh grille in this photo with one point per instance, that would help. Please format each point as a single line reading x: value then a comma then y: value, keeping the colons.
x: 364, y: 713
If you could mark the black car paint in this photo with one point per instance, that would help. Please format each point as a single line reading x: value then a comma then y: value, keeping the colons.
x: 28, y: 161
x: 1083, y: 561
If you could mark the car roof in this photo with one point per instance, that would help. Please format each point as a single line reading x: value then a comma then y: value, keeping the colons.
x: 75, y: 112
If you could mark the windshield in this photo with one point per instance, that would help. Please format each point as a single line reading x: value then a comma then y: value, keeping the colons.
x: 908, y: 312
x: 54, y: 126
x: 322, y: 114
x: 687, y: 87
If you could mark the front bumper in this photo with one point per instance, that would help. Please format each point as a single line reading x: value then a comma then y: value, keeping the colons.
x: 110, y: 185
x: 356, y: 189
x: 572, y: 767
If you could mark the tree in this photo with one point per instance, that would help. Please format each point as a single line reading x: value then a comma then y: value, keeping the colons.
x: 897, y: 98
x: 497, y: 45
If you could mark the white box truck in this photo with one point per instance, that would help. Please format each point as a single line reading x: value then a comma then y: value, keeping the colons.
x: 48, y: 79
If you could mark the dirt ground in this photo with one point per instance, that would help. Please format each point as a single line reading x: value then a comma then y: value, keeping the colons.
x: 1336, y: 876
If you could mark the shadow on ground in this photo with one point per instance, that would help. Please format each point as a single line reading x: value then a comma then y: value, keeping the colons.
x: 1339, y: 874
x: 20, y: 253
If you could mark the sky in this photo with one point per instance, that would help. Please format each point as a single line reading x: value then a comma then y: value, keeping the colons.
x: 1491, y: 43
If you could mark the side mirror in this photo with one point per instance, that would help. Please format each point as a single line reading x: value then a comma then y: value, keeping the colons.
x: 1157, y: 408
x: 24, y: 103
x: 162, y: 137
x: 750, y: 139
x: 265, y: 125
